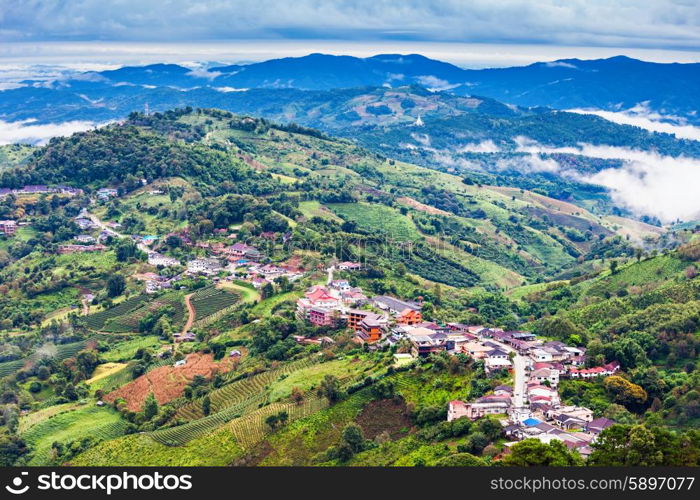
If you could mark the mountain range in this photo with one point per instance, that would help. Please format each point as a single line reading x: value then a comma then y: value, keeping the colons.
x: 614, y: 84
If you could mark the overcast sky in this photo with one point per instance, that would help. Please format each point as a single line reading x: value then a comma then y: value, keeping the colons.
x: 658, y: 24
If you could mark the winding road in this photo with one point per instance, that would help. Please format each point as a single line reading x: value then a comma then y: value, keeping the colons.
x: 191, y: 314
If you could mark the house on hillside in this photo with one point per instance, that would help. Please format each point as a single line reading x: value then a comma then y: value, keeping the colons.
x: 159, y: 260
x: 8, y: 227
x: 84, y: 238
x: 207, y: 267
x: 68, y: 249
x: 105, y: 194
x: 243, y: 250
x: 456, y: 409
x: 349, y: 266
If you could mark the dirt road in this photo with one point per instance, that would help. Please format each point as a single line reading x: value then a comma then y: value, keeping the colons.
x: 191, y: 313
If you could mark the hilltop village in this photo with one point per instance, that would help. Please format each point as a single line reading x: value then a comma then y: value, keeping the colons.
x: 529, y: 408
x: 233, y: 292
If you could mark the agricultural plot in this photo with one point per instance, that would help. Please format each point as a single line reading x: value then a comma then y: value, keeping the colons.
x: 265, y: 307
x: 218, y: 449
x: 58, y: 352
x: 101, y: 423
x: 241, y: 390
x: 105, y: 370
x: 247, y: 292
x: 98, y: 320
x: 378, y: 218
x: 113, y: 380
x: 177, y: 436
x: 124, y: 351
x: 168, y: 382
x: 210, y: 300
x: 252, y: 429
x: 125, y: 317
x: 29, y: 420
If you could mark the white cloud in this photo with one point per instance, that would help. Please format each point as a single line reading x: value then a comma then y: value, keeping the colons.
x: 229, y: 89
x: 28, y: 132
x: 435, y: 84
x: 422, y: 139
x: 646, y: 184
x: 532, y: 163
x: 641, y: 116
x: 487, y: 146
x: 666, y: 188
x: 204, y: 73
x: 560, y: 64
x: 653, y: 23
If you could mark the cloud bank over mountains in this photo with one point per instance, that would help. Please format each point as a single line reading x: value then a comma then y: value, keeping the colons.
x: 642, y: 116
x: 646, y: 184
x: 29, y: 133
x: 614, y: 23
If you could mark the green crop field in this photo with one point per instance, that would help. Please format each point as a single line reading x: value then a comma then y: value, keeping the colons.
x: 218, y: 449
x: 241, y: 390
x: 210, y: 300
x: 125, y: 317
x: 246, y: 290
x: 265, y: 307
x: 125, y: 350
x: 98, y: 320
x: 378, y: 218
x: 102, y: 423
x: 58, y: 352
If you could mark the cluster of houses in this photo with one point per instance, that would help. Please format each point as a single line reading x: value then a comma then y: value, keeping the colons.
x: 41, y: 189
x: 338, y: 304
x: 532, y: 408
x: 239, y: 260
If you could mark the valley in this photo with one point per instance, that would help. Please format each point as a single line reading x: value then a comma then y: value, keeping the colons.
x: 238, y: 291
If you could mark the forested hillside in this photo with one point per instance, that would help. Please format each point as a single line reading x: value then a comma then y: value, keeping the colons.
x: 152, y: 294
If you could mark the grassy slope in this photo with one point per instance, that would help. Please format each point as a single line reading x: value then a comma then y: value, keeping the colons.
x: 74, y: 424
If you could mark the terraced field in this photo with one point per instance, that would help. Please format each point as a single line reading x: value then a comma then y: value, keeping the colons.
x: 101, y: 423
x: 236, y: 401
x: 378, y: 218
x: 240, y: 391
x: 61, y: 352
x: 251, y: 429
x: 125, y: 317
x: 98, y: 320
x: 178, y: 436
x: 210, y: 300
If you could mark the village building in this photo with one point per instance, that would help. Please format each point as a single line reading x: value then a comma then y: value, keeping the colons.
x: 68, y: 249
x: 184, y: 337
x: 8, y: 227
x: 259, y: 282
x: 425, y: 341
x: 243, y: 250
x: 598, y: 425
x: 316, y: 296
x: 321, y: 316
x: 84, y: 223
x: 85, y: 238
x: 393, y: 305
x: 159, y: 260
x: 349, y: 266
x: 488, y: 405
x: 456, y: 409
x: 204, y: 266
x: 492, y: 365
x: 105, y: 194
x: 598, y: 371
x: 542, y: 375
